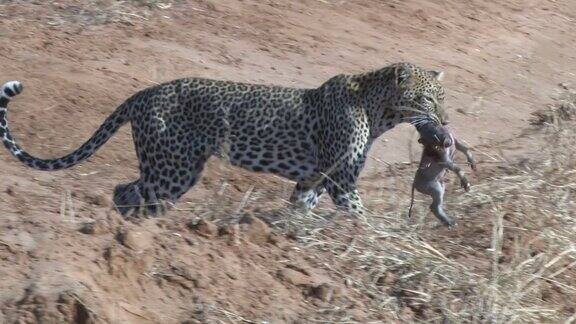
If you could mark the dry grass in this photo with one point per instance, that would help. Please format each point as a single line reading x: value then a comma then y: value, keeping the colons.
x: 516, y: 264
x: 512, y: 261
x: 555, y: 115
x: 97, y: 12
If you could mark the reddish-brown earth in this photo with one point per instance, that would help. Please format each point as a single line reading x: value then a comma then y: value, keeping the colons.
x: 231, y: 252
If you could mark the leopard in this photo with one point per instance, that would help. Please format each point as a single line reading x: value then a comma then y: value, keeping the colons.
x: 318, y: 137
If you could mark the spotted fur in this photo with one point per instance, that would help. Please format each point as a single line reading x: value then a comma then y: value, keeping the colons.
x: 316, y: 137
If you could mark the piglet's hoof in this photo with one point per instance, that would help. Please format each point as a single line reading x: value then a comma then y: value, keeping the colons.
x: 465, y: 185
x: 449, y: 222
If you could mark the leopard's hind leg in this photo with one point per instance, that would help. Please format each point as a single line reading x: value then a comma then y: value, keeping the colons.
x: 173, y: 167
x: 127, y: 198
x: 306, y: 196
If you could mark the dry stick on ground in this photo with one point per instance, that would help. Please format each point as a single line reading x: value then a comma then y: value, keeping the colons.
x: 8, y: 246
x: 231, y: 316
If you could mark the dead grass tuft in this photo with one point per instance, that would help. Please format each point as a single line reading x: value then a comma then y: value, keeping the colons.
x: 564, y: 110
x: 517, y: 263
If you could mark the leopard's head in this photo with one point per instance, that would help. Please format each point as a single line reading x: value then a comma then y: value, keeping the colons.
x: 419, y: 95
x: 402, y: 92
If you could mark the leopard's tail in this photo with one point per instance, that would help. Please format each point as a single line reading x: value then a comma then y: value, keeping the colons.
x: 118, y: 118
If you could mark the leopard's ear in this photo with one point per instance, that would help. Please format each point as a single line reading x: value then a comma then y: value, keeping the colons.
x: 353, y: 86
x: 335, y: 84
x: 438, y: 75
x: 402, y: 75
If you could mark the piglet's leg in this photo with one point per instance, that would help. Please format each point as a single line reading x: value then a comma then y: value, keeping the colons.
x: 437, y: 192
x: 464, y: 149
x: 456, y: 169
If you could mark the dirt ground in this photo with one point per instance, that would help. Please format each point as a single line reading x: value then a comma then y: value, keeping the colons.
x: 230, y: 252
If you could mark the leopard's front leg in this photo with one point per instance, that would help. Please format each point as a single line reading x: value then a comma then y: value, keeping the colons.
x: 342, y: 157
x: 346, y: 199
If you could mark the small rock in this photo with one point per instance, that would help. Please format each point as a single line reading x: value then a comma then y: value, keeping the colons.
x: 98, y: 199
x: 225, y: 230
x: 231, y: 275
x: 201, y: 282
x: 205, y: 228
x: 387, y: 279
x: 134, y: 240
x: 300, y: 268
x: 325, y: 292
x: 72, y: 308
x: 295, y: 277
x: 234, y: 235
x: 10, y: 191
x: 348, y: 282
x: 25, y: 241
x: 274, y: 239
x: 189, y: 241
x: 508, y: 216
x: 256, y: 230
x: 95, y: 228
x: 178, y: 280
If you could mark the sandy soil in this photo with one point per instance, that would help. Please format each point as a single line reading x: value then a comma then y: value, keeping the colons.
x: 65, y: 255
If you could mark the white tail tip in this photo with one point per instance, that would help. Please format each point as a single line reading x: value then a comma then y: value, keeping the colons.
x: 10, y: 89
